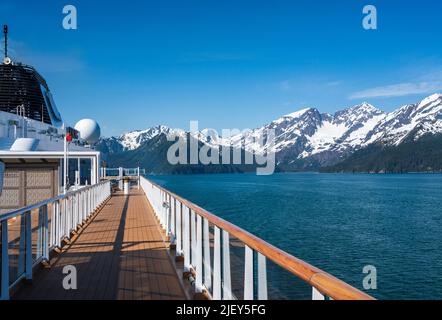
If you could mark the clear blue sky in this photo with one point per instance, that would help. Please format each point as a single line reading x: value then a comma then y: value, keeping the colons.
x: 229, y: 63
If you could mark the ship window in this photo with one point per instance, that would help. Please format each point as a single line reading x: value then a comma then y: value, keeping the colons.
x: 52, y: 110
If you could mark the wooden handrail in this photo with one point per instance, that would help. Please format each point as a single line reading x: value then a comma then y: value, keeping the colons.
x: 321, y: 280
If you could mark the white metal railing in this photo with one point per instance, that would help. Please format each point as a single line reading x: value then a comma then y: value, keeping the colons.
x: 29, y: 234
x: 188, y: 227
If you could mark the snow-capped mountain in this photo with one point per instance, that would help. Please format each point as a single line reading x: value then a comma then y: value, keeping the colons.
x: 314, y: 138
x: 132, y: 140
x: 419, y: 118
x: 308, y: 132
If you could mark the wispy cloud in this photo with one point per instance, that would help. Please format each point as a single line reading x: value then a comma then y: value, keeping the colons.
x: 398, y: 90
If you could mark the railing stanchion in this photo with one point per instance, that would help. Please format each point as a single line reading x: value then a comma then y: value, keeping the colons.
x: 77, y: 210
x: 82, y: 211
x: 186, y: 243
x: 248, y: 273
x: 58, y: 222
x: 39, y: 252
x: 22, y: 246
x: 28, y: 258
x: 169, y: 215
x: 199, y: 254
x: 4, y: 294
x: 227, y: 283
x: 178, y: 226
x: 193, y: 238
x: 52, y: 232
x: 45, y: 234
x: 216, y: 295
x: 163, y: 210
x: 262, y: 277
x: 62, y: 219
x: 172, y: 208
x: 207, y: 268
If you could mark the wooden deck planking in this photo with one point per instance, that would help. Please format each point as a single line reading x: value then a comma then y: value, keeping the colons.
x: 119, y: 255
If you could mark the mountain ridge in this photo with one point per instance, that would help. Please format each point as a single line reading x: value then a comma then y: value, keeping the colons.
x: 308, y: 139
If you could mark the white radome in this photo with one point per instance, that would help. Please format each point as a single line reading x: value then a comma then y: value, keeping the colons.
x: 89, y: 130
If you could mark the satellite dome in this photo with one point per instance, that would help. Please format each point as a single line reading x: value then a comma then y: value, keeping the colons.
x: 89, y: 130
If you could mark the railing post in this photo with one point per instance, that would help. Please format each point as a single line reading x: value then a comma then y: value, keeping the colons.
x: 71, y: 214
x: 227, y: 283
x: 262, y: 277
x: 172, y: 210
x: 68, y: 218
x: 22, y: 246
x: 58, y: 231
x: 138, y: 173
x: 120, y: 181
x: 74, y: 211
x: 28, y: 259
x: 5, y: 262
x: 81, y: 197
x: 193, y: 238
x: 58, y: 223
x: 161, y: 209
x: 179, y: 228
x: 83, y: 200
x: 217, y: 264
x: 207, y: 268
x: 159, y: 206
x: 199, y: 254
x: 248, y: 273
x: 45, y: 234
x: 77, y: 210
x: 162, y: 215
x: 186, y: 243
x: 40, y: 233
x: 90, y: 201
x: 168, y: 212
x: 62, y: 219
x: 52, y: 233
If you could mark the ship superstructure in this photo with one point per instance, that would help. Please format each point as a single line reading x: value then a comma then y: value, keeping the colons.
x: 38, y: 161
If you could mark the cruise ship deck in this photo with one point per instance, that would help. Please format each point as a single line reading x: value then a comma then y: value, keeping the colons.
x: 141, y: 242
x: 120, y: 254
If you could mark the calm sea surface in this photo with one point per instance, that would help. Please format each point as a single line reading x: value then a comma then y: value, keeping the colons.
x: 339, y: 223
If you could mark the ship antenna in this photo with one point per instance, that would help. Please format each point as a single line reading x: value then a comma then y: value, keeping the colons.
x: 5, y: 31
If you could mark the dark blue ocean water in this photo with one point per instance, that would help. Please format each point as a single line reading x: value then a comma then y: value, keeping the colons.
x: 337, y: 222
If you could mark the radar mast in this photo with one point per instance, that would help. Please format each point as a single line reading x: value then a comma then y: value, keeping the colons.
x: 6, y: 59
